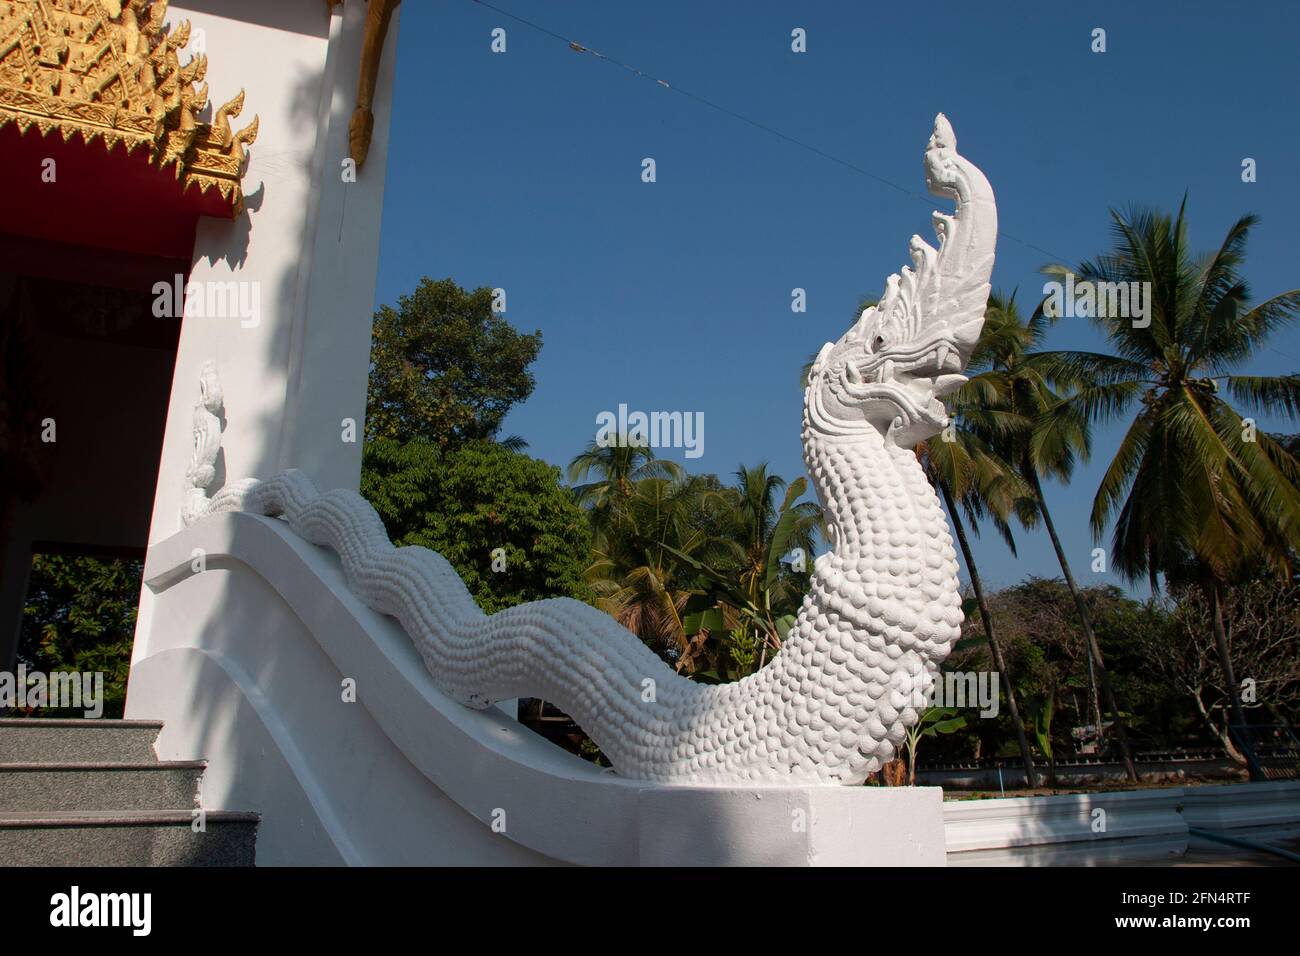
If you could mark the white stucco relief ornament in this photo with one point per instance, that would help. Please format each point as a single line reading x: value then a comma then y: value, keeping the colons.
x: 206, y: 423
x: 883, y: 609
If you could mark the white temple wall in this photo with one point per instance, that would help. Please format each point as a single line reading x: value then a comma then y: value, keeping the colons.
x: 293, y: 350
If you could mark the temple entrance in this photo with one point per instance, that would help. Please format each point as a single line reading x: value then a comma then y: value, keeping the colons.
x: 87, y: 370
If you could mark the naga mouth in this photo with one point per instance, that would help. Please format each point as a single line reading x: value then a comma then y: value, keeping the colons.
x: 912, y: 380
x: 933, y: 370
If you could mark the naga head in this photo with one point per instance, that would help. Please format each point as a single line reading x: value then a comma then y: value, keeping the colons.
x: 893, y: 367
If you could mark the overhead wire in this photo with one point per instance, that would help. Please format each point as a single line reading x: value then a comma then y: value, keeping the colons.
x: 582, y: 48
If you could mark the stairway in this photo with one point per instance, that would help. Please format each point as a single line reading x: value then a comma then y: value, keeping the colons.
x: 93, y: 793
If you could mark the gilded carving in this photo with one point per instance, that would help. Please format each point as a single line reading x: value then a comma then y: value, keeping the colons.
x: 362, y: 124
x: 111, y: 70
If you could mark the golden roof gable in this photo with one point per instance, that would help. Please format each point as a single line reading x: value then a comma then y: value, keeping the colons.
x: 110, y: 70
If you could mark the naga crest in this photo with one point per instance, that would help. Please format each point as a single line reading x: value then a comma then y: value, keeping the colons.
x: 892, y: 368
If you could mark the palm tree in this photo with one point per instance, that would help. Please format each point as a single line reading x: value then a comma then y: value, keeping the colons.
x: 961, y: 464
x: 754, y: 595
x: 640, y: 571
x: 617, y: 468
x: 767, y: 532
x: 1195, y: 492
x: 637, y: 504
x: 1025, y: 380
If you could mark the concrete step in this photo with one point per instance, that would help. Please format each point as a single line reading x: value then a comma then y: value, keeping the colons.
x: 31, y: 740
x: 99, y: 786
x: 127, y: 838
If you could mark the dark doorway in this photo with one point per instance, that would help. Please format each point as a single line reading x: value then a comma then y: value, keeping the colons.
x: 85, y: 375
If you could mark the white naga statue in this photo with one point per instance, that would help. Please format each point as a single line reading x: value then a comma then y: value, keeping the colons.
x: 883, y: 611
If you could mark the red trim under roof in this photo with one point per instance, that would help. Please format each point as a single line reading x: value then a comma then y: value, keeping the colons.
x: 99, y: 197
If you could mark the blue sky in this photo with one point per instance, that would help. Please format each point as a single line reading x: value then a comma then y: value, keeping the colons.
x: 522, y: 170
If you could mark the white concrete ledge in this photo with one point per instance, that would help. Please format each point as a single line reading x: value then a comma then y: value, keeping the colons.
x: 1132, y: 826
x: 1141, y: 826
x: 1263, y: 809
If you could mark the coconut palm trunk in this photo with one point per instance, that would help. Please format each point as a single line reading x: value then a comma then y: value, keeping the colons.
x: 1213, y: 590
x: 1031, y: 778
x: 1085, y: 619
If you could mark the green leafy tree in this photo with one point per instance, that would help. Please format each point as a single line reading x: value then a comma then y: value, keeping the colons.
x: 1037, y: 625
x: 609, y: 474
x: 79, y: 617
x: 694, y: 567
x: 771, y: 523
x: 760, y: 569
x: 1196, y: 493
x: 445, y: 368
x: 645, y: 514
x: 481, y: 504
x: 642, y: 571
